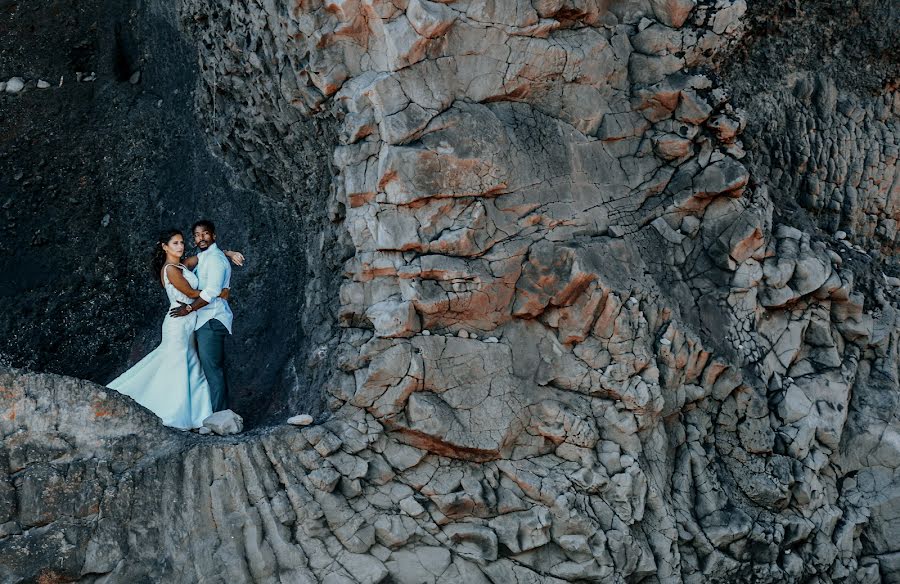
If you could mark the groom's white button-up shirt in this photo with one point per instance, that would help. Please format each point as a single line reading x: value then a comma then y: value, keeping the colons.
x: 214, y: 272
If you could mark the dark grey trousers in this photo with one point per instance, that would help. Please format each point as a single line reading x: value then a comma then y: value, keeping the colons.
x: 211, y: 348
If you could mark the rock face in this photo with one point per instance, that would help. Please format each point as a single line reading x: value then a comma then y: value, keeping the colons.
x: 687, y: 379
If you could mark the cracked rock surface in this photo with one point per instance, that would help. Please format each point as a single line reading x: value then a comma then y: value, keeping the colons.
x: 598, y: 323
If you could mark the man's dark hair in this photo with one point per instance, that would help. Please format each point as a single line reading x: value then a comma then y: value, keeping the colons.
x: 206, y: 223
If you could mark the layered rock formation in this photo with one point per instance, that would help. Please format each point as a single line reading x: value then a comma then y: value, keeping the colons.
x: 585, y: 337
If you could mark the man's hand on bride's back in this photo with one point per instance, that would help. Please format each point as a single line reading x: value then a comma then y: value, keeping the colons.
x: 225, y: 294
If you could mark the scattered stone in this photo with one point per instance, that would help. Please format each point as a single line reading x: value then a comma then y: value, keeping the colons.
x: 300, y: 420
x: 463, y: 334
x: 224, y: 423
x: 135, y: 78
x: 15, y: 85
x: 204, y: 431
x: 41, y: 84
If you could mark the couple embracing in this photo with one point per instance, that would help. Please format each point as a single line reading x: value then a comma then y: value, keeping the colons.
x: 183, y: 380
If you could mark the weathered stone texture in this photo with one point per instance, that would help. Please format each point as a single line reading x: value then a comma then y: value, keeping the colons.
x: 581, y: 342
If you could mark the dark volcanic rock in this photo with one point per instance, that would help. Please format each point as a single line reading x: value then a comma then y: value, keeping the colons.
x: 91, y: 171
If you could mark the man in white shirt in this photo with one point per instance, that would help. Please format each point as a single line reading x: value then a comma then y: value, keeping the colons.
x: 214, y: 316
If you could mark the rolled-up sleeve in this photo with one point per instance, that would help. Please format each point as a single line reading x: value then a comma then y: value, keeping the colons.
x: 215, y: 280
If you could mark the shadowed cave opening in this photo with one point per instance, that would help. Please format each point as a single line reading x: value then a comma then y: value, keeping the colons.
x: 91, y: 171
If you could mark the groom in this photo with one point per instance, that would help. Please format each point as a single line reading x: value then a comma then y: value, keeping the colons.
x: 213, y: 313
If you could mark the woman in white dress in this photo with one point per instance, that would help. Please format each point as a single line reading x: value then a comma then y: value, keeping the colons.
x: 170, y: 381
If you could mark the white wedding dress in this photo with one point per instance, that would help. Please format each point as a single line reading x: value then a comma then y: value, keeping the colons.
x: 169, y: 381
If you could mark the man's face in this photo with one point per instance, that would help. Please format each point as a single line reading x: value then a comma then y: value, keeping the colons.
x: 203, y: 237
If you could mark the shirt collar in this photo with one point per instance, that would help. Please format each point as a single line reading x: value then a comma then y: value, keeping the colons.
x: 210, y: 248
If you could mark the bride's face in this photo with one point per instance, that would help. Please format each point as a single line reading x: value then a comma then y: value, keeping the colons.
x: 175, y: 246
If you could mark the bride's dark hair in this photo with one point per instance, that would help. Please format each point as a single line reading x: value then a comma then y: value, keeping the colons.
x: 159, y: 254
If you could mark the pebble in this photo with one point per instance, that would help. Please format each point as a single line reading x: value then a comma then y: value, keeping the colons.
x: 463, y: 334
x: 2, y: 86
x: 42, y: 84
x: 665, y: 342
x: 426, y: 333
x: 840, y: 235
x: 492, y: 340
x: 204, y: 431
x: 300, y: 420
x: 15, y: 85
x: 105, y: 221
x: 892, y: 281
x: 135, y: 78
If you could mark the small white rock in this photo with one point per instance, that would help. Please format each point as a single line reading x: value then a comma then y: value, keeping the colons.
x: 492, y: 340
x: 463, y: 334
x: 2, y: 86
x: 473, y: 336
x: 15, y: 85
x: 300, y: 420
x: 426, y: 333
x: 42, y: 84
x: 224, y: 422
x: 665, y: 342
x: 204, y: 431
x: 840, y: 235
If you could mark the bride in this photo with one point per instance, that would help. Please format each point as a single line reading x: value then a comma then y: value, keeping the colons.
x: 169, y: 381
